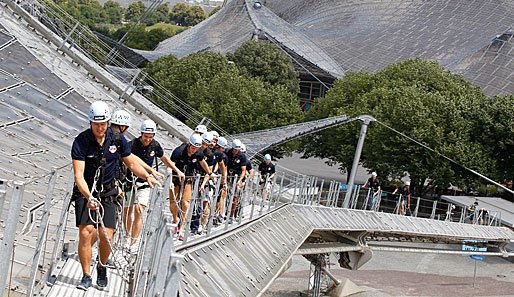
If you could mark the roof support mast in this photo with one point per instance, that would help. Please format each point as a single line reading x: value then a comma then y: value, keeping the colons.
x: 366, y: 119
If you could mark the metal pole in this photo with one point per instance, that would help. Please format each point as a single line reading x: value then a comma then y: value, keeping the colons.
x: 300, y: 194
x: 3, y: 192
x: 228, y: 209
x: 417, y: 208
x: 271, y: 191
x: 131, y: 83
x: 356, y: 159
x: 432, y: 216
x: 68, y: 36
x: 42, y: 231
x: 320, y: 190
x: 397, y: 209
x: 64, y: 212
x: 280, y: 190
x: 192, y: 207
x: 329, y: 194
x: 212, y: 208
x: 475, y: 274
x: 338, y: 190
x: 252, y: 209
x: 9, y: 232
x: 294, y: 189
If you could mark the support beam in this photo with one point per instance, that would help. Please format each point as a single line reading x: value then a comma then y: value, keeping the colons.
x: 366, y: 119
x: 6, y: 249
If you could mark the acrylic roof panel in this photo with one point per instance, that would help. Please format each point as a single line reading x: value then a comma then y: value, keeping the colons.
x: 285, y: 33
x: 493, y: 66
x: 224, y: 33
x: 370, y: 35
x: 366, y: 35
x: 391, y: 31
x: 27, y: 67
x: 5, y: 37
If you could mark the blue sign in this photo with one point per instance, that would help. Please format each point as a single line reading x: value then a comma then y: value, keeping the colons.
x: 344, y: 187
x: 472, y: 248
x: 477, y: 257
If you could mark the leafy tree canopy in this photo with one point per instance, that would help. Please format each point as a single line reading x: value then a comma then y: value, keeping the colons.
x: 418, y: 98
x: 140, y: 38
x: 216, y: 9
x: 236, y: 102
x: 135, y: 11
x: 195, y: 15
x: 178, y: 13
x: 264, y: 60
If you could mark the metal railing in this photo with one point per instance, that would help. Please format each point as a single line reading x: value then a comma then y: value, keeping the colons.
x: 248, y: 202
x: 11, y: 223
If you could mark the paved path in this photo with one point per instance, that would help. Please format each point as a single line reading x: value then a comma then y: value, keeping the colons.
x: 411, y: 274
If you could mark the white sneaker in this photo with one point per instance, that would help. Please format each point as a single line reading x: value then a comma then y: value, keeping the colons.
x: 134, y: 249
x: 200, y: 229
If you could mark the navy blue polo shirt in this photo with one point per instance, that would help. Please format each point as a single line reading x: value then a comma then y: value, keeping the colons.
x: 189, y: 165
x: 404, y: 191
x: 209, y: 157
x: 374, y: 184
x: 220, y: 157
x: 146, y: 153
x: 248, y: 165
x: 236, y: 162
x: 82, y: 152
x: 266, y: 169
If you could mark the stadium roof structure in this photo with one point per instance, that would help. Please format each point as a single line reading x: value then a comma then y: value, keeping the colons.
x: 472, y: 38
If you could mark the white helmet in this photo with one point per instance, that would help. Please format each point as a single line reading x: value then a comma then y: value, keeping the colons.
x: 373, y: 174
x: 267, y: 158
x: 236, y: 144
x: 195, y: 140
x: 121, y: 118
x: 407, y: 183
x: 148, y: 126
x: 215, y: 135
x: 201, y: 129
x: 222, y: 142
x: 99, y: 112
x: 243, y: 148
x: 207, y: 138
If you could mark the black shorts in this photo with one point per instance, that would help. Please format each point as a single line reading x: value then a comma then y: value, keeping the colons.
x: 109, y: 215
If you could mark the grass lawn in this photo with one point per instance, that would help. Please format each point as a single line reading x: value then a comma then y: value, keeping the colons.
x: 171, y: 29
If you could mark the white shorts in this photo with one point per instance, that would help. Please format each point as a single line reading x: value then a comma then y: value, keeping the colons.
x: 142, y: 196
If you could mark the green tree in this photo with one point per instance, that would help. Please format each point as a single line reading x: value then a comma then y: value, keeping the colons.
x: 195, y: 15
x: 178, y: 13
x: 418, y: 98
x: 236, y: 102
x: 141, y: 39
x: 494, y: 127
x: 113, y: 12
x: 216, y: 9
x: 262, y: 59
x: 159, y: 16
x: 135, y: 11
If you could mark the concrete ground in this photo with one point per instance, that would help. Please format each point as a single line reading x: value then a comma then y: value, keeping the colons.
x: 410, y: 274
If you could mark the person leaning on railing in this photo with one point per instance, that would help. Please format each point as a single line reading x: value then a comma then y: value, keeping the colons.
x: 266, y: 173
x: 472, y: 210
x: 186, y: 161
x: 236, y: 166
x: 374, y: 184
x: 405, y: 192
